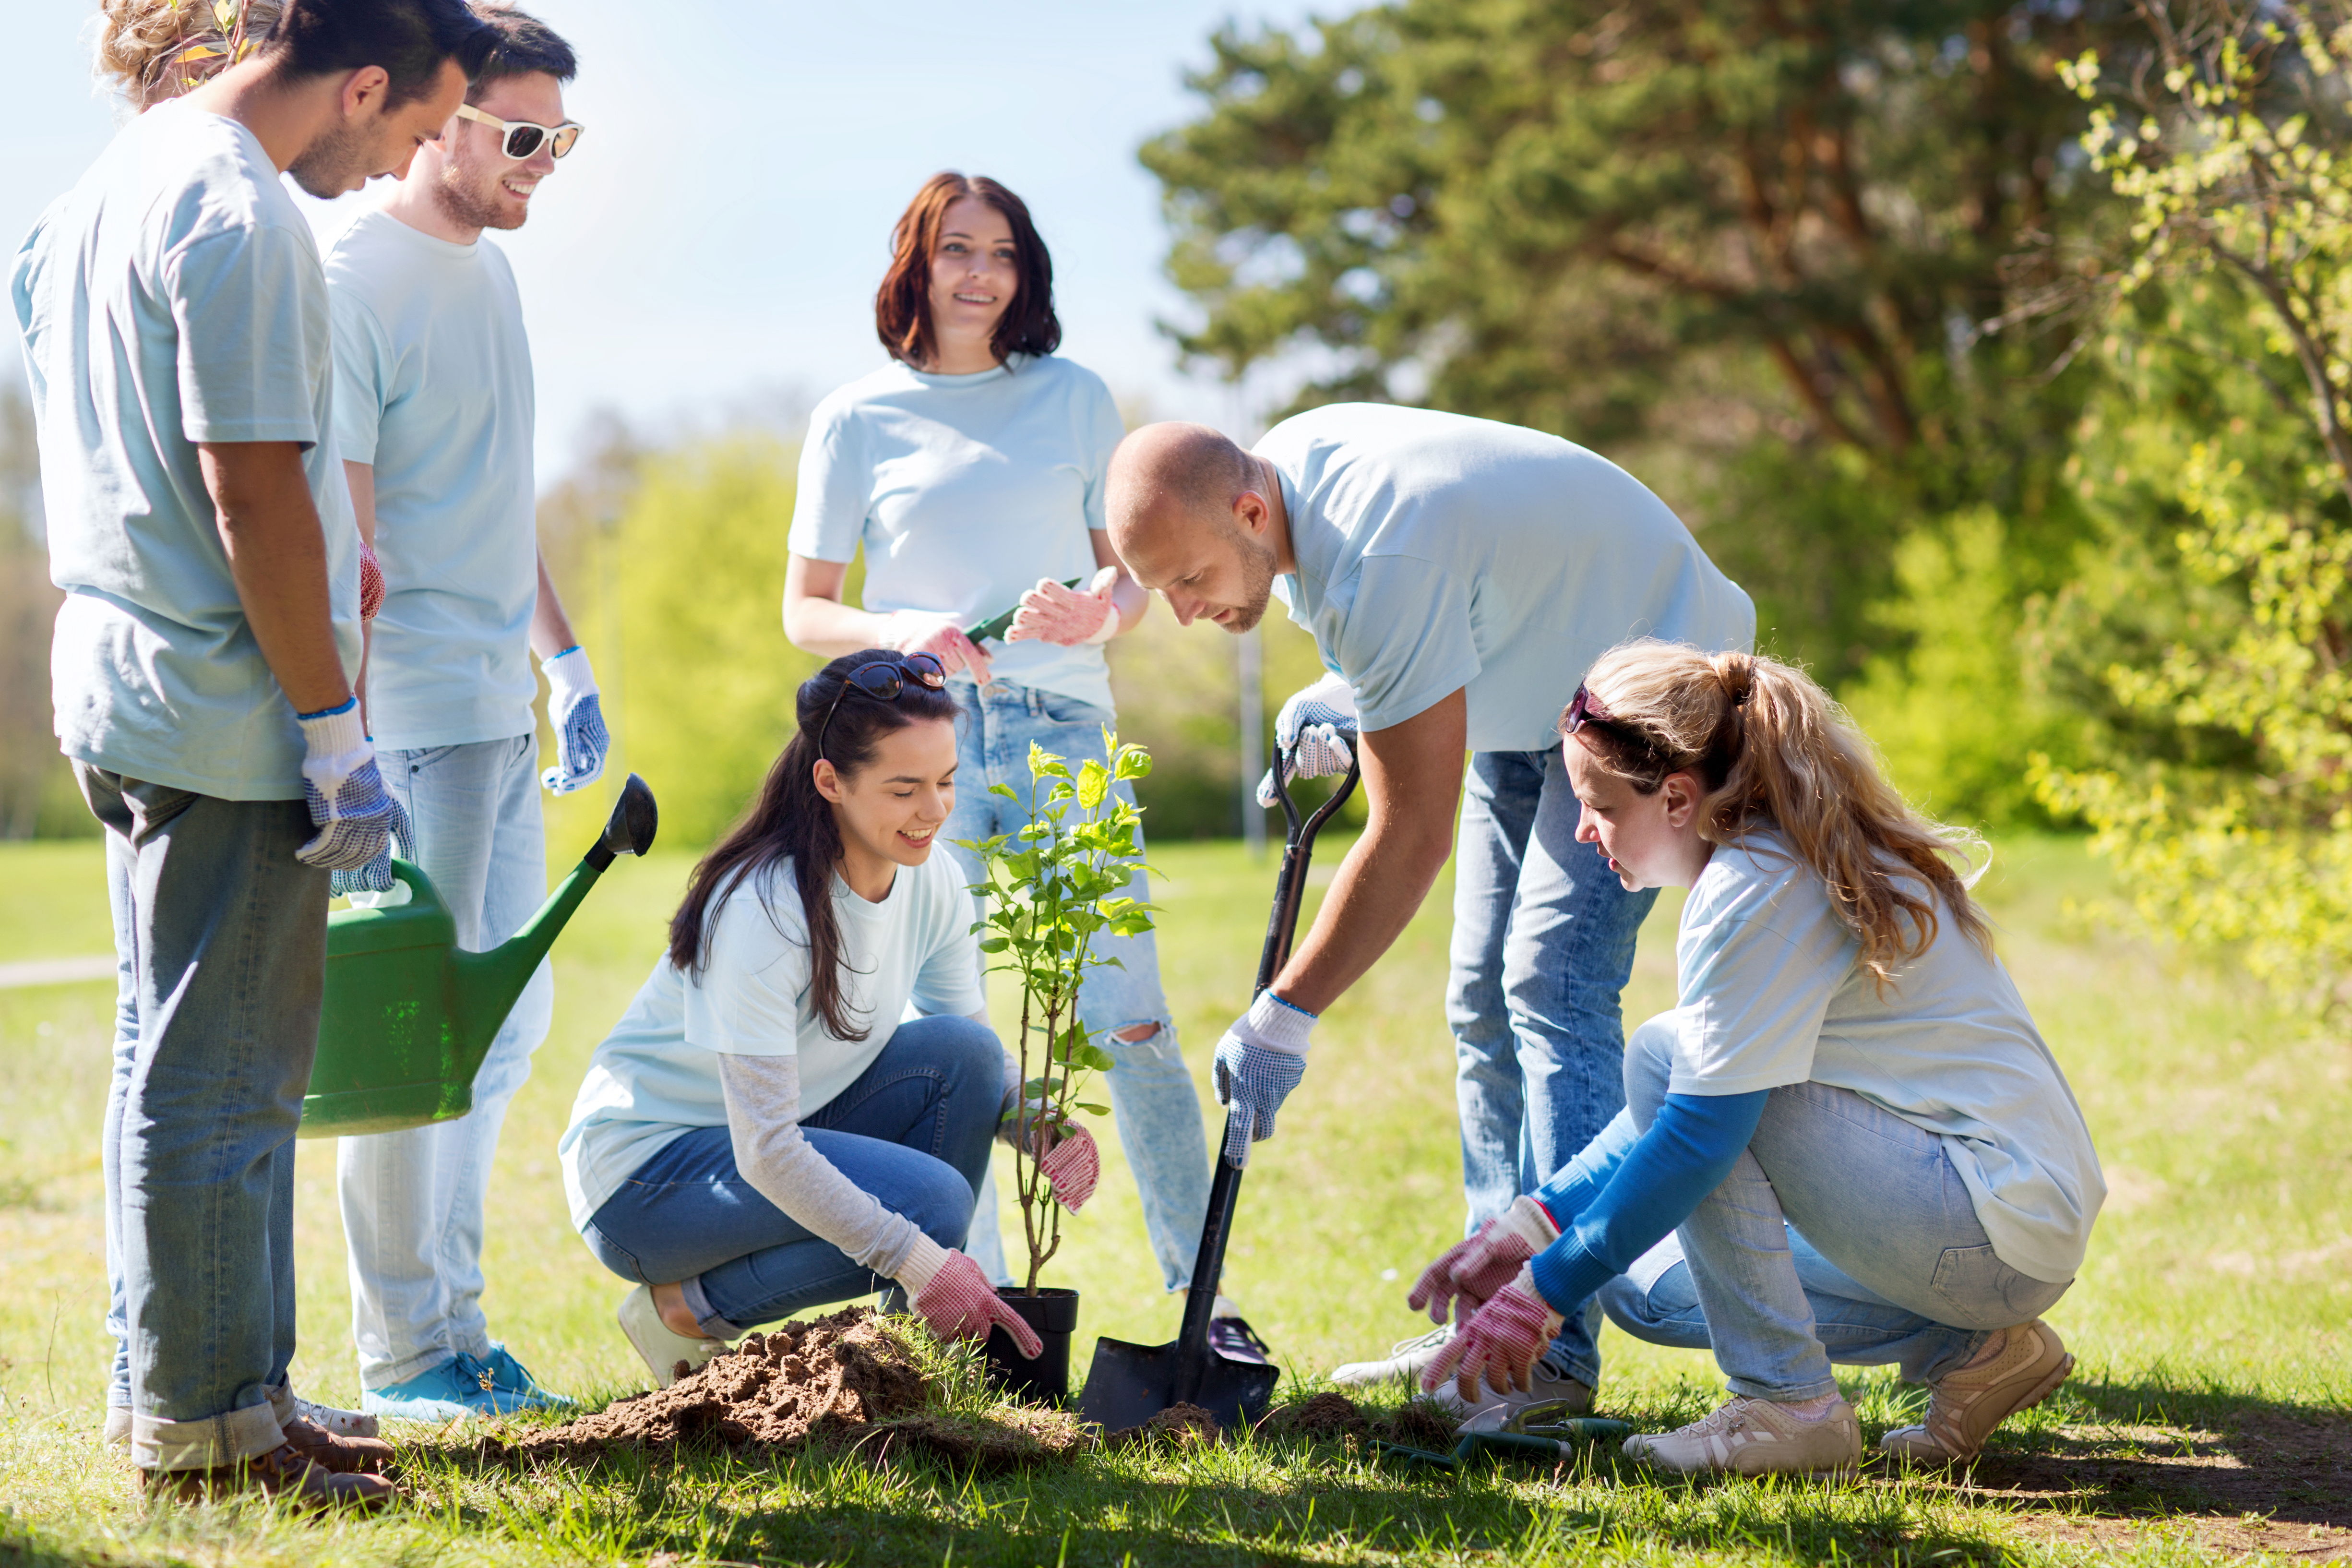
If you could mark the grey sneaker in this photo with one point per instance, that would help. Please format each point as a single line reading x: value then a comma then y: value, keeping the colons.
x: 1488, y: 1412
x: 1755, y: 1438
x: 1402, y: 1364
x: 2026, y: 1366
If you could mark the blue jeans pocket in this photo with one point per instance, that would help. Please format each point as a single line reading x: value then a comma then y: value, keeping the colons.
x: 1986, y: 1293
x: 1070, y: 710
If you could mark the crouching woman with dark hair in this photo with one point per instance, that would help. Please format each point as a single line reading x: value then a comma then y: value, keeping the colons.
x: 760, y: 1133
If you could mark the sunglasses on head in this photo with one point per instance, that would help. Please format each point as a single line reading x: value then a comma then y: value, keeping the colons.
x: 519, y: 138
x: 1585, y: 708
x: 883, y: 679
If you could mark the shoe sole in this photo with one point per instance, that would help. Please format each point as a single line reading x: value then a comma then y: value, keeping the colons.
x: 2041, y: 1391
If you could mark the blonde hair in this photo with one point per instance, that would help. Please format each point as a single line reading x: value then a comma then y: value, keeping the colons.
x: 150, y: 51
x: 1775, y: 751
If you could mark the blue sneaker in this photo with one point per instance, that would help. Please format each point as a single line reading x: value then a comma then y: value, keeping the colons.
x: 458, y: 1390
x: 509, y: 1377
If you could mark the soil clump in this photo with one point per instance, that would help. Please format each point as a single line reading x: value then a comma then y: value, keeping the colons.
x: 1178, y: 1423
x: 1323, y: 1417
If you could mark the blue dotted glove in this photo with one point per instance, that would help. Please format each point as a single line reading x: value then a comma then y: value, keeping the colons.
x: 1311, y: 735
x: 1259, y: 1062
x: 577, y: 717
x: 355, y: 814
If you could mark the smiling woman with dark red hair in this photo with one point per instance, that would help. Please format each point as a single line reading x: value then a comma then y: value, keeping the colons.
x: 971, y: 470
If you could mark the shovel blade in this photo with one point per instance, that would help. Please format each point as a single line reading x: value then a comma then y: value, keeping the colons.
x: 1131, y: 1383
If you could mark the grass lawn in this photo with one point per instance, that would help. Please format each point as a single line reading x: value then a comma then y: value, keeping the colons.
x: 2208, y: 1417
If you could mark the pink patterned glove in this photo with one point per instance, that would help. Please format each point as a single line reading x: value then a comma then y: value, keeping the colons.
x: 1498, y: 1345
x: 959, y: 1303
x: 371, y: 582
x: 1475, y: 1270
x: 1074, y: 1164
x: 1069, y: 616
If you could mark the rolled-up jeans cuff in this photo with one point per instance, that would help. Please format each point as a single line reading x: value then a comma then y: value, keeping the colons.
x: 707, y: 1318
x: 1796, y: 1395
x: 157, y: 1444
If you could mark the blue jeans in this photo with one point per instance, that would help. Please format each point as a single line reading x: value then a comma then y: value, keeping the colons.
x: 914, y: 1130
x: 1543, y: 943
x: 1842, y: 1235
x: 226, y: 936
x: 413, y: 1201
x: 1151, y: 1094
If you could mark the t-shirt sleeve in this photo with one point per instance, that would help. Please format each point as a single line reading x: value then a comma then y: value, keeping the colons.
x: 1100, y: 430
x: 746, y: 1002
x: 835, y: 488
x: 948, y: 980
x: 1755, y: 983
x: 247, y: 305
x: 363, y: 376
x: 1407, y: 642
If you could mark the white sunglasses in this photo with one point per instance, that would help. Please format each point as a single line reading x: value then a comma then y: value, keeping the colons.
x: 519, y: 138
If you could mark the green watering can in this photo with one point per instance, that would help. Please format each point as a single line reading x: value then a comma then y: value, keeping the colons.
x: 408, y: 1018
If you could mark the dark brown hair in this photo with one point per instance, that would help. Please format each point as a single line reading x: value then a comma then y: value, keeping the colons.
x: 409, y: 38
x: 525, y: 45
x: 902, y: 306
x: 790, y: 820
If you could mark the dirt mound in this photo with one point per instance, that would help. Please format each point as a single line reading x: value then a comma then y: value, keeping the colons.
x: 1177, y: 1423
x: 1425, y: 1424
x: 1324, y: 1416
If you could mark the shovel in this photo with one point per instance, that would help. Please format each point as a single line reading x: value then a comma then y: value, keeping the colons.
x: 1129, y: 1383
x: 1494, y: 1448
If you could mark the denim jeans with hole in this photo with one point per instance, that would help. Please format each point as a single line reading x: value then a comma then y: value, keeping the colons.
x: 1152, y: 1098
x: 914, y: 1130
x: 1844, y: 1234
x: 225, y: 935
x: 1543, y: 945
x: 413, y: 1201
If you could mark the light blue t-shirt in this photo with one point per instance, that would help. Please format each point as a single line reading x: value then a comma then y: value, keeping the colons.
x: 174, y: 296
x: 655, y: 1077
x: 966, y: 489
x: 433, y: 387
x: 1772, y: 992
x: 1439, y: 554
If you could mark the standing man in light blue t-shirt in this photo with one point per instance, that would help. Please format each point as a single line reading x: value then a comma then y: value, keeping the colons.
x: 1459, y: 575
x: 175, y: 327
x: 433, y: 410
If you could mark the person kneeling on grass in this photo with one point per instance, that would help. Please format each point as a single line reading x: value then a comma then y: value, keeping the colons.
x: 1869, y: 1153
x: 761, y: 1134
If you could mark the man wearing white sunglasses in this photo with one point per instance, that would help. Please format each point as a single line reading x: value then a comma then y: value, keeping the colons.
x: 434, y: 411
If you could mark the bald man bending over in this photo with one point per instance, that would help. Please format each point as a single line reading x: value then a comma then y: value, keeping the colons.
x: 1459, y: 576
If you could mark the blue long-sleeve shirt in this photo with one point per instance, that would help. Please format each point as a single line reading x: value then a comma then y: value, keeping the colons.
x: 1621, y: 1195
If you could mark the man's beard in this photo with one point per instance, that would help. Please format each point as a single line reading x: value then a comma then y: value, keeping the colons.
x: 327, y: 166
x: 469, y: 208
x: 1257, y: 581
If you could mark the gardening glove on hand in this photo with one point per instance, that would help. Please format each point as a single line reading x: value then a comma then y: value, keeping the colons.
x: 1072, y: 1165
x: 371, y: 582
x: 577, y: 715
x: 1259, y: 1062
x: 1311, y: 735
x: 1068, y: 616
x: 355, y: 814
x: 1499, y: 1344
x: 920, y: 631
x: 1475, y: 1270
x: 955, y: 1300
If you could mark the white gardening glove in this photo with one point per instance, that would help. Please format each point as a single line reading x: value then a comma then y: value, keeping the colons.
x: 1070, y: 617
x: 956, y: 1301
x: 355, y: 814
x: 1259, y: 1062
x: 1311, y: 735
x: 577, y: 715
x: 1475, y: 1270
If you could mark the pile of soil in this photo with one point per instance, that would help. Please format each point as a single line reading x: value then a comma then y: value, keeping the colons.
x: 1424, y: 1424
x: 1180, y: 1423
x: 1325, y: 1416
x: 843, y: 1380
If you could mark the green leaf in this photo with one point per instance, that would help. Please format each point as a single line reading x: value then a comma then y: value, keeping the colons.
x: 995, y: 944
x: 1007, y: 790
x: 1090, y: 1108
x: 1093, y: 783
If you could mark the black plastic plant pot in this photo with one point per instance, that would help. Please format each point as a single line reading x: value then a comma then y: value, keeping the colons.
x: 1053, y: 1313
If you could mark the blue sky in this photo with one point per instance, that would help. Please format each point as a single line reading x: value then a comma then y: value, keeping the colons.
x: 713, y: 243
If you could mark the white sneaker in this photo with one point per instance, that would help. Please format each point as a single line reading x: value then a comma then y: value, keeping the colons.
x: 2018, y: 1370
x: 1490, y: 1410
x: 661, y: 1346
x: 1755, y: 1438
x: 333, y: 1418
x: 1402, y: 1364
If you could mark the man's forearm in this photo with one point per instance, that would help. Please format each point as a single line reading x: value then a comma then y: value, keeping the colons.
x: 551, y: 628
x: 277, y: 552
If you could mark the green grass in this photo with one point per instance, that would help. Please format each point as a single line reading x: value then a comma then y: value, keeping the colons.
x: 2209, y: 1416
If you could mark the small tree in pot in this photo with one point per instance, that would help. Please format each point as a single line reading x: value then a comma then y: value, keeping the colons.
x: 1052, y: 888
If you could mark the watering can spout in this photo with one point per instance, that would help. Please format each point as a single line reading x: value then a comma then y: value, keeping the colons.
x: 489, y: 983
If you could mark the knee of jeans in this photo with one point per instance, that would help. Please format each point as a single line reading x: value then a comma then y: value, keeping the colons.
x: 1649, y: 1067
x: 1152, y: 1040
x: 965, y: 1049
x: 940, y: 1202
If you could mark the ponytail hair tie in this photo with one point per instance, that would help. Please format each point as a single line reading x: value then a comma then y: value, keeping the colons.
x: 1737, y: 671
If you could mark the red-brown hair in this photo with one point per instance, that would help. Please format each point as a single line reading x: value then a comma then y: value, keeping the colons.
x: 902, y: 306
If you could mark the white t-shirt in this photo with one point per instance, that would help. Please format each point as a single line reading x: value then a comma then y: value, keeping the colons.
x: 655, y: 1077
x: 1772, y: 992
x: 1439, y: 554
x: 966, y: 489
x: 172, y: 297
x: 433, y: 387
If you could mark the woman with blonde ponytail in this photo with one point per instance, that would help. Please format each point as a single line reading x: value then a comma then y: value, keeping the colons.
x: 1861, y: 1147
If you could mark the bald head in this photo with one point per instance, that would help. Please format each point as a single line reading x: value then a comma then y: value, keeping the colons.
x: 1197, y: 519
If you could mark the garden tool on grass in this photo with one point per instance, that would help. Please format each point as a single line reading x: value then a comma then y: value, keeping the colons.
x: 1129, y: 1383
x: 408, y: 1016
x: 1494, y: 1448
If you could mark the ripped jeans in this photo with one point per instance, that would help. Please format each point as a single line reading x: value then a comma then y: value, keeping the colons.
x: 1152, y: 1097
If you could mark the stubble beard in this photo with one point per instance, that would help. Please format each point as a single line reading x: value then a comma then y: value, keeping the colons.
x: 470, y: 207
x: 326, y: 167
x: 1257, y: 582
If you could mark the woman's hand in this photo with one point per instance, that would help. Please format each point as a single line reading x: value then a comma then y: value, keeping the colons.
x: 1067, y: 617
x: 957, y: 1302
x: 1067, y: 1154
x: 1499, y: 1345
x: 923, y: 631
x: 1471, y: 1271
